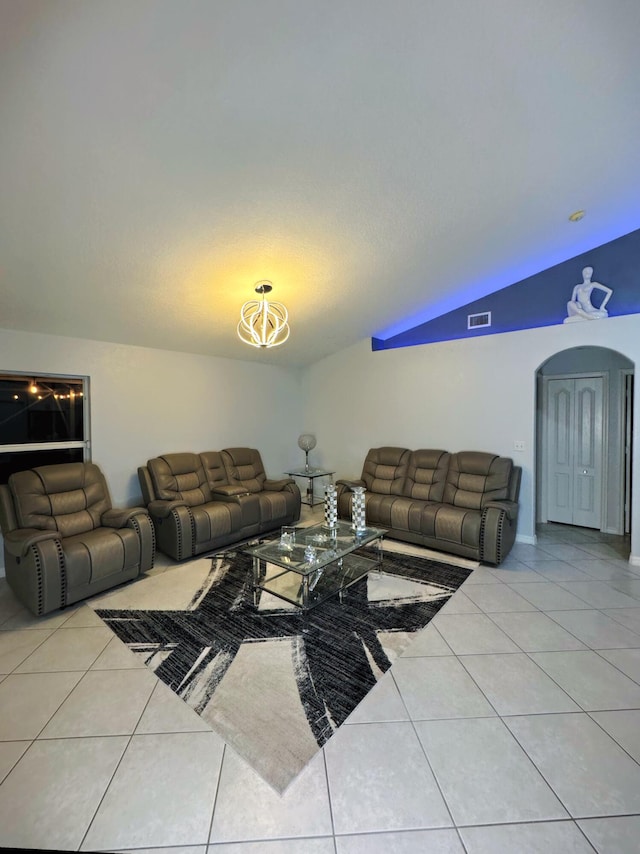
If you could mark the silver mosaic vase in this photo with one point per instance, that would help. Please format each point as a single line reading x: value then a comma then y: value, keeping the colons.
x: 358, y: 513
x: 331, y: 507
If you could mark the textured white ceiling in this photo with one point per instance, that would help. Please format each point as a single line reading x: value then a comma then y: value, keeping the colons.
x: 379, y: 162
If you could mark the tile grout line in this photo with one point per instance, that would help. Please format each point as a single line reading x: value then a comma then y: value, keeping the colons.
x: 328, y: 783
x: 457, y: 656
x: 115, y: 770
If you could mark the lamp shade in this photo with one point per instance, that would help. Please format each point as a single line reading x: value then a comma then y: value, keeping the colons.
x: 307, y: 441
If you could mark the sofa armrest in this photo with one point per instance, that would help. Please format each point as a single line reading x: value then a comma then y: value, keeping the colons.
x: 18, y: 542
x: 143, y: 525
x: 224, y: 493
x: 118, y: 518
x: 278, y: 485
x: 498, y: 527
x: 8, y: 521
x: 146, y: 484
x: 508, y: 507
x: 229, y: 493
x: 349, y: 484
x: 163, y: 509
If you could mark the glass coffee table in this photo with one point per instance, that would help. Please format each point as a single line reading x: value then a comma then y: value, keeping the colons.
x: 317, y: 565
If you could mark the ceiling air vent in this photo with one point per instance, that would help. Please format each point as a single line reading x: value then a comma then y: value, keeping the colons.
x: 476, y: 321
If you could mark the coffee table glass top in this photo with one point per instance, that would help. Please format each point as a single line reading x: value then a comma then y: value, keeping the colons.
x: 317, y: 565
x: 327, y: 549
x: 310, y: 472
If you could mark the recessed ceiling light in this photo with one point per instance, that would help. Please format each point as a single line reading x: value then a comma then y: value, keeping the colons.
x: 576, y: 216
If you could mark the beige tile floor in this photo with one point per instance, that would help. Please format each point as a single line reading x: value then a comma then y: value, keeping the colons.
x: 512, y: 724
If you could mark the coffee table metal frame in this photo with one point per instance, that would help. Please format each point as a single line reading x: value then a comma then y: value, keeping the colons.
x: 290, y: 576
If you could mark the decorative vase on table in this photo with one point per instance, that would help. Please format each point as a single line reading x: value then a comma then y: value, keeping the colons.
x: 358, y: 513
x: 331, y: 507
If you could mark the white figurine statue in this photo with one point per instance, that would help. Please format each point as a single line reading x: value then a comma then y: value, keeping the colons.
x: 580, y: 306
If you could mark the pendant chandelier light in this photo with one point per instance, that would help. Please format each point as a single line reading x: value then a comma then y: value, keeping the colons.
x: 263, y: 323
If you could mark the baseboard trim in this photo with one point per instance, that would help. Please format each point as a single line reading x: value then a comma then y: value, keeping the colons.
x: 527, y: 539
x: 634, y: 560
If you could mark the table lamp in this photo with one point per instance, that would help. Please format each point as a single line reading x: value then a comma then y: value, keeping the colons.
x: 307, y: 441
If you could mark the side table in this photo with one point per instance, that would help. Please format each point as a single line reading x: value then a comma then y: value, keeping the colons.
x: 308, y: 497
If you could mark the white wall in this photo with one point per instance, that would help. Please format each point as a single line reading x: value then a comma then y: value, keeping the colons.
x: 147, y: 402
x: 476, y: 394
x: 468, y: 394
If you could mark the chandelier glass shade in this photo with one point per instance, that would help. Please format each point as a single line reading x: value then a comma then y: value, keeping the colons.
x: 263, y: 323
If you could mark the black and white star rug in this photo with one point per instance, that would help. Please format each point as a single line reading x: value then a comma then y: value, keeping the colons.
x: 275, y: 682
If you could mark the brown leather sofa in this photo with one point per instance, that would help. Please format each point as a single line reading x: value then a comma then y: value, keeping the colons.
x: 202, y: 502
x: 464, y: 503
x: 63, y: 541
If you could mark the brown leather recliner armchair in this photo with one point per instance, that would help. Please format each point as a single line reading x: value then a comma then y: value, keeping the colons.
x: 202, y: 502
x: 63, y: 541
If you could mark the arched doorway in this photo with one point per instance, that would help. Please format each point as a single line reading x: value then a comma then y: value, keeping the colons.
x: 584, y: 406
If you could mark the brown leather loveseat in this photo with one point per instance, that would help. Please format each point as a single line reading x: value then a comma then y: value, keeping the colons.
x: 202, y: 502
x: 464, y: 503
x: 63, y: 541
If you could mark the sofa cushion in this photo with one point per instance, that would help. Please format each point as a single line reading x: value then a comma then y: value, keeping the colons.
x: 214, y: 469
x: 385, y: 469
x: 276, y: 506
x: 95, y: 555
x: 434, y: 521
x: 393, y: 511
x: 458, y: 526
x: 180, y: 476
x: 69, y: 497
x: 244, y: 468
x: 216, y: 519
x: 474, y: 478
x: 426, y: 474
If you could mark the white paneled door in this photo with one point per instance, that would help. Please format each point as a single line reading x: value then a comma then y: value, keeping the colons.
x: 575, y: 418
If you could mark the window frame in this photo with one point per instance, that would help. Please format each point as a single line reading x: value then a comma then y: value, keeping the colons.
x: 84, y: 443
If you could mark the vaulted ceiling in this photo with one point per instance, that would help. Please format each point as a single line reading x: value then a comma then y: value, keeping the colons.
x: 379, y: 162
